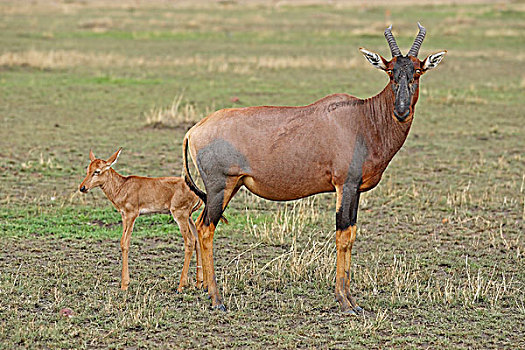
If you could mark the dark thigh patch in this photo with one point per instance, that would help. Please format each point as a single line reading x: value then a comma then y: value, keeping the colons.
x: 217, y: 161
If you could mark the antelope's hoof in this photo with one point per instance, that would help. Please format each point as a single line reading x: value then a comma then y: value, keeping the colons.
x: 359, y: 309
x: 350, y: 312
x: 220, y: 307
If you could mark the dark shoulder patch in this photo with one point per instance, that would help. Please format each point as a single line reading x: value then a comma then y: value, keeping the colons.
x: 355, y: 171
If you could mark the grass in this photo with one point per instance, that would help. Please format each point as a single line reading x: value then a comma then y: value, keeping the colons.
x: 439, y: 258
x: 179, y: 114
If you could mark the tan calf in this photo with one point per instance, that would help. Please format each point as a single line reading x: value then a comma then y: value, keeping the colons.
x: 136, y: 195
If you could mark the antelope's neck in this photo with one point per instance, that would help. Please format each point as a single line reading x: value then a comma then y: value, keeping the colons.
x: 385, y: 134
x: 112, y: 186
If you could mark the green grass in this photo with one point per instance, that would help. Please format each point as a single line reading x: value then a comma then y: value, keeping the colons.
x: 438, y: 261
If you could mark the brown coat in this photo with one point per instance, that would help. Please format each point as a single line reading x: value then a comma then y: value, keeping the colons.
x: 136, y: 195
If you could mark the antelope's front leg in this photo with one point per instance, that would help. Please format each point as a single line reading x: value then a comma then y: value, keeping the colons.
x: 347, y: 198
x: 348, y: 261
x: 127, y: 222
x: 348, y: 258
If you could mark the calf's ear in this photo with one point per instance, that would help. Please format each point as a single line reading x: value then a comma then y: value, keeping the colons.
x: 113, y: 159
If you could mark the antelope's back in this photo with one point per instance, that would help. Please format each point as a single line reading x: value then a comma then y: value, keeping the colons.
x: 275, y: 148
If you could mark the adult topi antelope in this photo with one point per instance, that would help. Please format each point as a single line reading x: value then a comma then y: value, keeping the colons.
x: 340, y: 143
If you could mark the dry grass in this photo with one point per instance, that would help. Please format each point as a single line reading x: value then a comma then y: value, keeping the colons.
x: 413, y: 284
x: 503, y: 32
x: 409, y: 281
x: 177, y: 114
x: 289, y: 220
x: 59, y: 59
x: 98, y: 25
x: 308, y: 256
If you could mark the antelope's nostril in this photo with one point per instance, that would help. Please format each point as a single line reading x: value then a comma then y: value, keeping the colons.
x: 83, y: 189
x: 403, y: 116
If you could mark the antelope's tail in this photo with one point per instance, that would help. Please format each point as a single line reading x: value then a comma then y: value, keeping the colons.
x: 191, y: 184
x: 187, y: 176
x: 197, y: 205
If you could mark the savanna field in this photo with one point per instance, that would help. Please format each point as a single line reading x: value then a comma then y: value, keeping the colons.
x: 439, y: 257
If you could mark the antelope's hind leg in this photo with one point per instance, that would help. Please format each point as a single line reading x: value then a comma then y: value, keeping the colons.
x: 218, y: 198
x: 347, y: 201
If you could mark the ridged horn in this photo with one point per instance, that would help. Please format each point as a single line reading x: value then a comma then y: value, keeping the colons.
x: 414, y: 50
x: 394, y: 49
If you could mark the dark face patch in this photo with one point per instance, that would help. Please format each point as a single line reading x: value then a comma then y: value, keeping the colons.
x: 404, y: 86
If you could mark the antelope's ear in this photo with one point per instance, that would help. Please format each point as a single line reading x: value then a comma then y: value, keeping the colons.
x: 433, y: 60
x: 91, y: 155
x: 375, y: 59
x: 113, y: 159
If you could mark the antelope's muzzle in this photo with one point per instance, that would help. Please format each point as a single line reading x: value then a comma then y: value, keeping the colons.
x: 83, y: 189
x: 402, y: 102
x: 402, y: 117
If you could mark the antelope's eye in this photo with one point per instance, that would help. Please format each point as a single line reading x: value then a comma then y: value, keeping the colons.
x: 418, y: 71
x: 389, y: 71
x: 96, y: 172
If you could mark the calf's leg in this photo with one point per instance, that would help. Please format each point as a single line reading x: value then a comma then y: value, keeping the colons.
x: 189, y: 244
x: 128, y: 220
x: 198, y: 254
